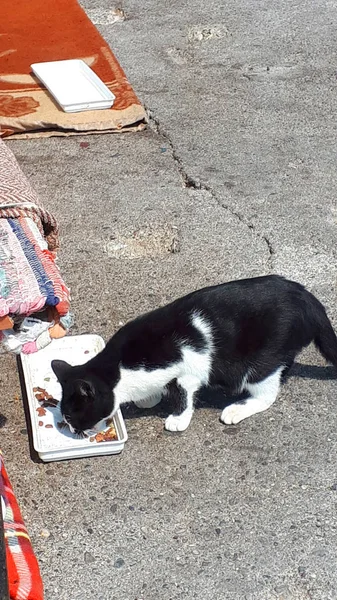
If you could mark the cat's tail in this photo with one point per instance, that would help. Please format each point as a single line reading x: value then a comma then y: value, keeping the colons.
x: 325, y: 338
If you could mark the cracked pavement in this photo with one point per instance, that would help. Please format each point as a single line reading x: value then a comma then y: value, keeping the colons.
x: 234, y: 177
x: 190, y: 182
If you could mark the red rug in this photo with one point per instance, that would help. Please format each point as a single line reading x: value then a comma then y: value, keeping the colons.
x: 24, y: 577
x: 46, y: 30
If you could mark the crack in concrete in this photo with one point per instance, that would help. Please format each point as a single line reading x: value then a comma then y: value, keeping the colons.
x: 191, y: 182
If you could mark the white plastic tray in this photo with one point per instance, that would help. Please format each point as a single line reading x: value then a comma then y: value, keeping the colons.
x: 74, y: 85
x: 51, y: 443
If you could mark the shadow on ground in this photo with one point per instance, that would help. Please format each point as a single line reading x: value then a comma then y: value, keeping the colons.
x: 216, y: 398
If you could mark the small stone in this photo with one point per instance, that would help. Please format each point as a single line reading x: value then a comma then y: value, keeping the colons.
x: 279, y: 589
x: 93, y: 498
x: 119, y: 563
x: 89, y: 530
x: 333, y: 488
x: 45, y: 533
x: 231, y: 430
x: 88, y: 558
x: 113, y: 508
x: 218, y: 530
x: 23, y: 431
x: 302, y: 571
x: 131, y: 508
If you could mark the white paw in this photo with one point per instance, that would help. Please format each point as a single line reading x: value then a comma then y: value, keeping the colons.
x: 149, y: 402
x: 233, y: 414
x: 177, y: 422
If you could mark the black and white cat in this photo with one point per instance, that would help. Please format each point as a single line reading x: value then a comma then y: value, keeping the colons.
x: 241, y: 335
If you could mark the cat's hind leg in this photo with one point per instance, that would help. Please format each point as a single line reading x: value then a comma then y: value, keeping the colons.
x: 188, y: 386
x: 261, y: 396
x: 288, y: 364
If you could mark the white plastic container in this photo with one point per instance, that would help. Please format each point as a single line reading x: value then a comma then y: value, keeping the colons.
x: 74, y: 86
x: 50, y: 442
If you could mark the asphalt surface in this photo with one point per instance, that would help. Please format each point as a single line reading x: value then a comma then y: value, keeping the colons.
x: 234, y: 177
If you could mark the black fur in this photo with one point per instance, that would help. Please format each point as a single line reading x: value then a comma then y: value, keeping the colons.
x: 257, y: 324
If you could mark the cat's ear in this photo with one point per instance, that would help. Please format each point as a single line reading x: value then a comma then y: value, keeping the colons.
x: 85, y: 390
x: 61, y: 369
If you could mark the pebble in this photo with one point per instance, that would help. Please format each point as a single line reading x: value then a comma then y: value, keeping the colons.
x: 45, y: 533
x: 119, y: 563
x: 302, y: 571
x: 280, y: 589
x: 88, y: 558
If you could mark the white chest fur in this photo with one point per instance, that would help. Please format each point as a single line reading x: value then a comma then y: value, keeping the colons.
x: 191, y: 371
x: 138, y: 384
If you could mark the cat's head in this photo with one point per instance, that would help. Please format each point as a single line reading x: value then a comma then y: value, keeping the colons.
x: 86, y: 399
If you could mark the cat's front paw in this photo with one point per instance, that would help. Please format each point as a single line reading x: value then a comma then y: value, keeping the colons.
x: 177, y: 422
x: 233, y: 414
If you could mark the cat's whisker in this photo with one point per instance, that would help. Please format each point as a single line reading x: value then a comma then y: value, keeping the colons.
x: 81, y: 434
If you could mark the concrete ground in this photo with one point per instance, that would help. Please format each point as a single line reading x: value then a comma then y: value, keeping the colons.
x: 234, y: 177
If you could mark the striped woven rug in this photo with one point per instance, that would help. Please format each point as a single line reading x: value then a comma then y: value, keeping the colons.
x: 29, y: 276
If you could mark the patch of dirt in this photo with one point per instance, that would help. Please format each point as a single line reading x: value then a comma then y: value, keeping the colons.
x: 102, y: 16
x: 202, y: 33
x: 268, y: 71
x: 146, y: 242
x: 179, y: 56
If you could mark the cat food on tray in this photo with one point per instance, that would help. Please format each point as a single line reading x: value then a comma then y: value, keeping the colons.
x: 52, y: 438
x: 108, y: 435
